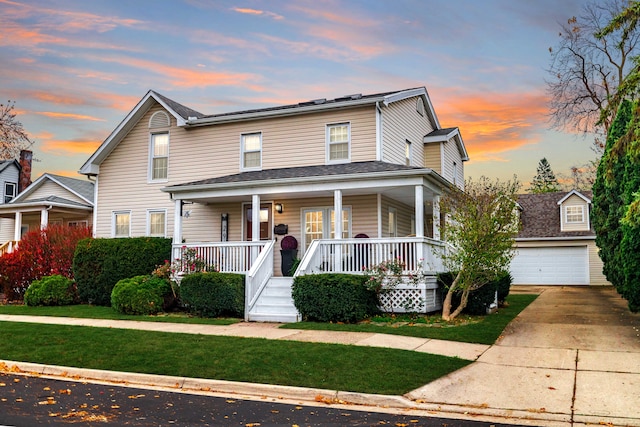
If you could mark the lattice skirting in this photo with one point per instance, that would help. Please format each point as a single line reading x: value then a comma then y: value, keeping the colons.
x: 420, y: 298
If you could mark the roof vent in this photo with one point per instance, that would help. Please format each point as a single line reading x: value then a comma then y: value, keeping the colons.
x: 355, y: 96
x: 319, y: 101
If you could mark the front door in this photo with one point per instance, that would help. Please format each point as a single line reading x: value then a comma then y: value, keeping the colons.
x: 265, y: 221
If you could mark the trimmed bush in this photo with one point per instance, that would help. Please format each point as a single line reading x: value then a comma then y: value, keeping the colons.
x: 51, y: 290
x: 140, y: 295
x: 99, y: 264
x: 334, y: 298
x: 213, y: 294
x: 480, y: 299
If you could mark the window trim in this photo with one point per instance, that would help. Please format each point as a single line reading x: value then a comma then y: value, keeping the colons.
x: 152, y: 156
x: 156, y: 211
x: 408, y: 152
x: 79, y: 223
x: 567, y: 214
x: 243, y: 152
x: 328, y: 144
x: 326, y: 223
x: 14, y: 192
x: 114, y: 215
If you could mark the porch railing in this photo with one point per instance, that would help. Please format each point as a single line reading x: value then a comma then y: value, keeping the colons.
x: 228, y: 257
x: 8, y: 247
x: 258, y: 277
x: 355, y: 255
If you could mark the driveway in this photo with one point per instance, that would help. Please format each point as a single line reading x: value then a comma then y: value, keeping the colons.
x: 573, y: 356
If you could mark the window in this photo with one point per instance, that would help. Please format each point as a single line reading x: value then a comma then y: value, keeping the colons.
x: 393, y: 222
x: 574, y: 214
x: 10, y: 191
x: 159, y: 156
x: 407, y: 152
x: 78, y: 224
x: 420, y: 106
x: 122, y: 224
x: 455, y: 173
x: 266, y: 221
x: 156, y: 223
x: 319, y: 223
x: 252, y: 151
x: 338, y: 139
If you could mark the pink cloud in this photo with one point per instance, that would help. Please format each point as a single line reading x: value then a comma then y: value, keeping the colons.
x: 257, y: 12
x: 57, y: 115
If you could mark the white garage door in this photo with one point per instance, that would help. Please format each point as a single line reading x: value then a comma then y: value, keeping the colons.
x: 567, y: 265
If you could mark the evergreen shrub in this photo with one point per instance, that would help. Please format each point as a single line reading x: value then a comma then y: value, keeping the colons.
x: 334, y: 298
x: 213, y: 294
x: 99, y: 264
x: 51, y: 290
x: 140, y: 295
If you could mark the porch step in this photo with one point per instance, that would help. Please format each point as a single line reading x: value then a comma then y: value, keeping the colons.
x: 275, y: 304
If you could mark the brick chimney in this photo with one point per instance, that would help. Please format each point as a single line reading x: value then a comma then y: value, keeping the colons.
x: 26, y: 157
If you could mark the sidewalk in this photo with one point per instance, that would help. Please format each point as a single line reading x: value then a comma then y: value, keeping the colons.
x: 571, y: 358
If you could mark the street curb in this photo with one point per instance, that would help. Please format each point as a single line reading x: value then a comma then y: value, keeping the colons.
x: 284, y: 394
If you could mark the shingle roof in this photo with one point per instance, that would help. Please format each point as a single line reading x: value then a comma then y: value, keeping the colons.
x: 540, y: 216
x: 53, y: 199
x: 441, y: 132
x: 304, y: 172
x: 5, y: 164
x: 81, y: 186
x: 185, y: 112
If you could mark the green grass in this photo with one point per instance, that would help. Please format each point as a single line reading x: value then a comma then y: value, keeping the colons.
x: 87, y: 311
x: 480, y: 330
x: 328, y: 366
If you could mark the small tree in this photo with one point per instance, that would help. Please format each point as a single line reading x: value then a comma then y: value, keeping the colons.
x: 545, y: 181
x: 482, y: 222
x: 13, y: 137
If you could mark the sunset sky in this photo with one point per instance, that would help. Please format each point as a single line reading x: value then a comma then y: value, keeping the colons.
x: 76, y: 68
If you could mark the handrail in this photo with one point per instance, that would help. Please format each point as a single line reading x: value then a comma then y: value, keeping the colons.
x: 8, y: 247
x: 257, y: 278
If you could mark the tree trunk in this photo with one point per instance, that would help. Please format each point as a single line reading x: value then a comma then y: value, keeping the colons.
x: 446, y: 305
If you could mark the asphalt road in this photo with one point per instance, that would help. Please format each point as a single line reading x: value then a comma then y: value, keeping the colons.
x: 32, y: 401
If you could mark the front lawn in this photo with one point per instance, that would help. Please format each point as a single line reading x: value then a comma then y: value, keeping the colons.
x: 327, y: 366
x: 471, y: 329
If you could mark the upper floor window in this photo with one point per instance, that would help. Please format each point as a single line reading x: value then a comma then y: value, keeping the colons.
x: 455, y: 173
x: 159, y: 156
x: 156, y: 223
x: 574, y: 214
x: 10, y: 191
x: 407, y: 152
x: 251, y: 151
x: 121, y: 225
x: 338, y: 141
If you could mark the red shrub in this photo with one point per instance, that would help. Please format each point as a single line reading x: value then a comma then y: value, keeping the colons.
x: 40, y: 253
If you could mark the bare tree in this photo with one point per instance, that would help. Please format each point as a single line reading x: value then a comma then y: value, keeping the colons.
x: 13, y: 137
x: 587, y: 67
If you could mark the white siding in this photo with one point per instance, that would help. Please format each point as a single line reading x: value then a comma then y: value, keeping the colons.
x: 10, y: 174
x: 574, y: 200
x: 50, y: 188
x: 451, y: 155
x: 400, y: 123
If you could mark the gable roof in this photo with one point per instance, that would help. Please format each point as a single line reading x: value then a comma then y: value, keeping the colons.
x: 540, y: 216
x: 82, y: 188
x: 444, y: 135
x: 187, y: 117
x: 4, y: 164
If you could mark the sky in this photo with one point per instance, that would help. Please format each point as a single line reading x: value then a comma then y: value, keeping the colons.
x: 75, y: 68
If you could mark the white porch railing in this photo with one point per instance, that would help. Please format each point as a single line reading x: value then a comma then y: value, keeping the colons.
x: 8, y: 247
x: 258, y: 277
x: 228, y: 257
x: 353, y: 256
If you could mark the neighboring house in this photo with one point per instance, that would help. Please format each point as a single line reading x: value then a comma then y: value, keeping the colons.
x: 556, y: 244
x: 231, y: 185
x: 15, y: 176
x: 51, y: 199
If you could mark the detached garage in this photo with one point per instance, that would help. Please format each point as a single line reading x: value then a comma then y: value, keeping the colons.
x: 556, y: 244
x: 568, y: 265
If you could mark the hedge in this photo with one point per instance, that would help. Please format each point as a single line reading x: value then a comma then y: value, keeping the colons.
x: 213, y: 294
x: 141, y: 295
x: 99, y: 264
x: 51, y: 290
x: 334, y: 298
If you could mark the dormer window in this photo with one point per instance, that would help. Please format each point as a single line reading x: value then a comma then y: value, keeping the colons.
x: 10, y: 191
x: 574, y: 214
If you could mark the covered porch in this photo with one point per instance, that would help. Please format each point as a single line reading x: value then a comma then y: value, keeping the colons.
x: 388, y: 212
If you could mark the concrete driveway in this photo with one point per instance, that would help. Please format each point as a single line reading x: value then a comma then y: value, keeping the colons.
x: 572, y: 357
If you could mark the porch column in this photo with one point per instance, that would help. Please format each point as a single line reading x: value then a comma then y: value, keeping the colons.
x: 436, y: 217
x: 44, y: 218
x: 255, y: 225
x: 419, y: 214
x: 18, y: 227
x: 177, y: 223
x: 337, y: 211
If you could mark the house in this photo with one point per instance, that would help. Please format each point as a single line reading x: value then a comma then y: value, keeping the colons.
x: 15, y: 176
x: 51, y: 199
x: 232, y: 185
x: 556, y: 244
